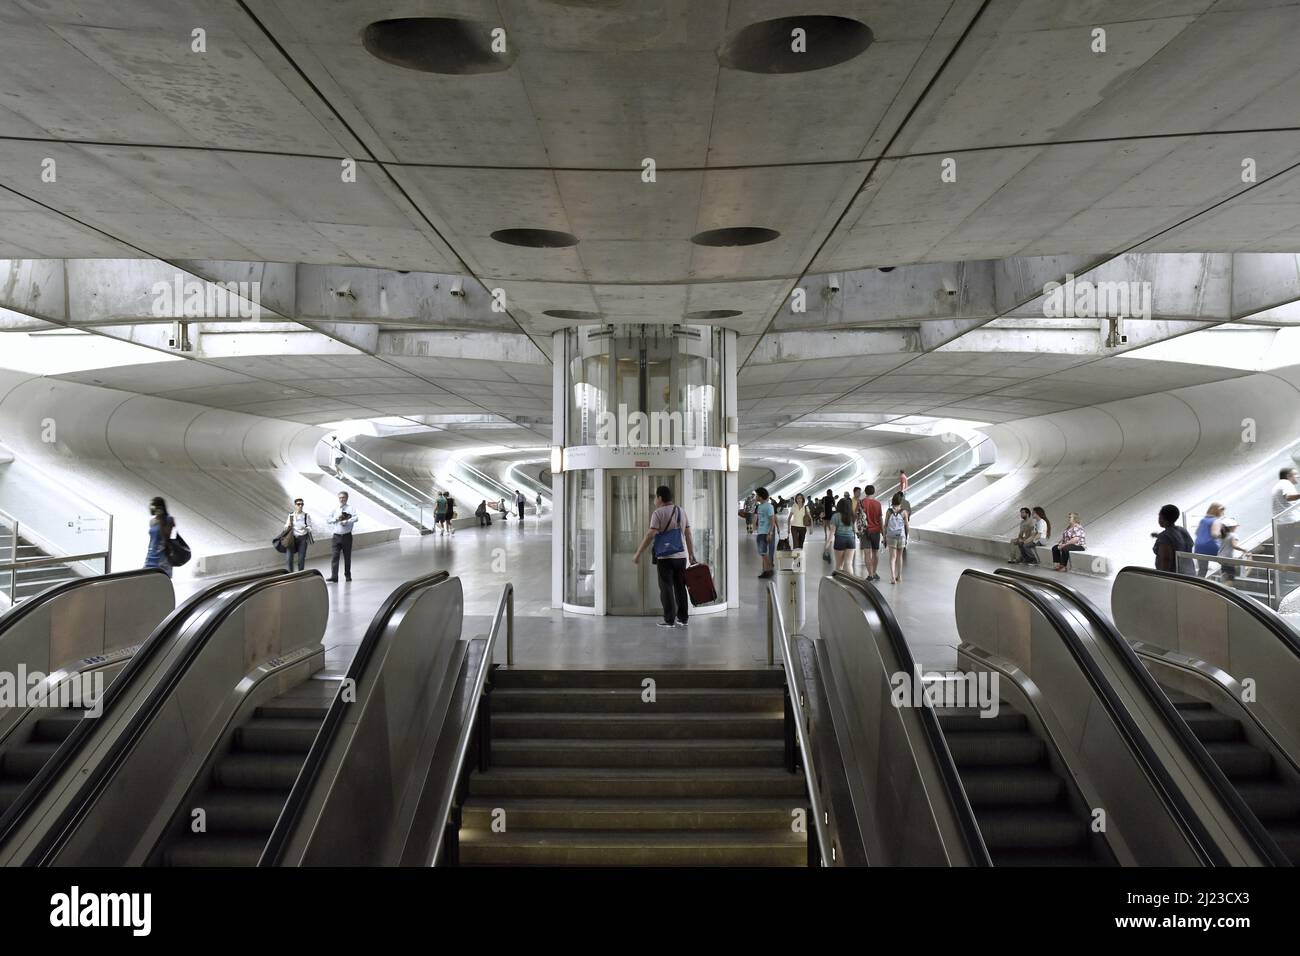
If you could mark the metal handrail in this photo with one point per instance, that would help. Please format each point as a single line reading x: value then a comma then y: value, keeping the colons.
x: 920, y: 473
x: 776, y: 622
x: 1239, y: 562
x: 505, y: 612
x: 375, y: 468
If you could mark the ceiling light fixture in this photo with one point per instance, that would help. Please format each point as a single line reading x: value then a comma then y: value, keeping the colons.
x: 439, y: 45
x: 536, y: 238
x: 734, y: 236
x: 795, y: 44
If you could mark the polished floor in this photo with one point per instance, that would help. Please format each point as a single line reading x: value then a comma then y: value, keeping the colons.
x: 486, y: 558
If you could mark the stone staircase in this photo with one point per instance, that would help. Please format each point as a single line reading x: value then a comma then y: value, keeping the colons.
x: 585, y: 770
x: 31, y: 581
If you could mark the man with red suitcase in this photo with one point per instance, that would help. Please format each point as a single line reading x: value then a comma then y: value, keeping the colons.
x: 670, y: 530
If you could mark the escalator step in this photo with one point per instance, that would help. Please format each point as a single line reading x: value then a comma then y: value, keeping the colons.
x: 1240, y: 760
x: 1031, y: 829
x: 995, y: 749
x: 969, y: 719
x: 241, y: 810
x: 57, y: 726
x: 1011, y: 786
x: 26, y: 761
x: 212, y: 849
x: 278, y: 734
x: 1212, y: 727
x: 1271, y: 800
x: 258, y: 771
x: 298, y: 710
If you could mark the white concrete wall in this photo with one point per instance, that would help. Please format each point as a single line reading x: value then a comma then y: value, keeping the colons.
x: 1117, y: 463
x: 228, y: 478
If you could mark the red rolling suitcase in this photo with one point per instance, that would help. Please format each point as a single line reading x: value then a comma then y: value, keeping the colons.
x: 699, y: 585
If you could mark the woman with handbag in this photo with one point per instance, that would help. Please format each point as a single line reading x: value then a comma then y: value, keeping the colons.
x: 297, y: 534
x: 161, y: 526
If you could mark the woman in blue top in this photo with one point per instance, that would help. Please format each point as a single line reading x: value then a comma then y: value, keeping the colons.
x: 845, y: 538
x: 161, y: 526
x: 1208, y: 533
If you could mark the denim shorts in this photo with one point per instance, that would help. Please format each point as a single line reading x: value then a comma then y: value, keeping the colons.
x: 766, y: 543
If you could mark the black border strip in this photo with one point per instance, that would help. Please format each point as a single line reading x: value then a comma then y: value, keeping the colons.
x: 1264, y: 844
x: 956, y: 793
x: 278, y: 843
x: 58, y: 833
x: 1175, y: 804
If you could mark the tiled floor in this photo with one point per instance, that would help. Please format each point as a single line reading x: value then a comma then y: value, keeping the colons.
x: 486, y: 558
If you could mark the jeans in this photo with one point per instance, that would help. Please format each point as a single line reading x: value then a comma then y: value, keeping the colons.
x: 672, y: 589
x: 342, y: 545
x: 1027, y: 552
x: 300, y: 549
x: 798, y: 531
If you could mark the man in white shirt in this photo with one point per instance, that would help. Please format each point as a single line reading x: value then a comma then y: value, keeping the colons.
x: 341, y: 521
x: 1285, y: 492
x: 1285, y: 495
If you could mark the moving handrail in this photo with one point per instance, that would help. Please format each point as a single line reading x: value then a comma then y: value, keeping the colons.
x: 1193, y: 831
x: 39, y: 785
x: 17, y: 612
x: 56, y: 836
x: 827, y: 850
x: 505, y: 613
x: 1214, y: 777
x: 296, y: 802
x: 972, y: 838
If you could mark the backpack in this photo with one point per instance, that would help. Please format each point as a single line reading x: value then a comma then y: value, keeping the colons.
x: 894, y: 524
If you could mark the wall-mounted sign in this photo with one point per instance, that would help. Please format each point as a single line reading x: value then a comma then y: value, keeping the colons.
x: 643, y: 464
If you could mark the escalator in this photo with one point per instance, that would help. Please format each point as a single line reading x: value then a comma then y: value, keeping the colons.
x: 1028, y: 812
x: 1228, y: 666
x: 1025, y: 756
x: 246, y: 788
x: 246, y: 753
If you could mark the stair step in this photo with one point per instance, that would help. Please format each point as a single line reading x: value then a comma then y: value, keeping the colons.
x: 637, y: 725
x: 559, y: 752
x: 965, y: 719
x: 631, y: 679
x: 1210, y: 726
x: 10, y: 790
x: 613, y: 700
x: 635, y: 782
x: 995, y: 749
x: 640, y: 848
x: 26, y: 760
x: 278, y: 734
x: 236, y: 811
x: 1011, y: 786
x: 213, y: 849
x: 57, y: 726
x: 1240, y: 760
x: 1037, y: 829
x: 258, y: 771
x: 632, y: 813
x: 1271, y: 801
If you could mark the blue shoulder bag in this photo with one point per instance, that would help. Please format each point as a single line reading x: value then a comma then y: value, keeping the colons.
x: 669, y: 541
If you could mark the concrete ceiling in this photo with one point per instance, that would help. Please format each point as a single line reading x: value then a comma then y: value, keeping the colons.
x: 1059, y: 151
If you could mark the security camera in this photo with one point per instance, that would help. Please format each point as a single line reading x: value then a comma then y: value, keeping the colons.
x: 833, y: 282
x: 458, y: 288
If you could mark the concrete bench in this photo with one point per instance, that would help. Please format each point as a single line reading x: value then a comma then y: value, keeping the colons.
x: 1086, y: 562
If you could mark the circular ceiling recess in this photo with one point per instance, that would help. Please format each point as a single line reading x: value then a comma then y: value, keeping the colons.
x: 772, y: 46
x: 536, y: 238
x: 734, y: 236
x: 707, y: 314
x: 437, y: 45
x: 574, y: 315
